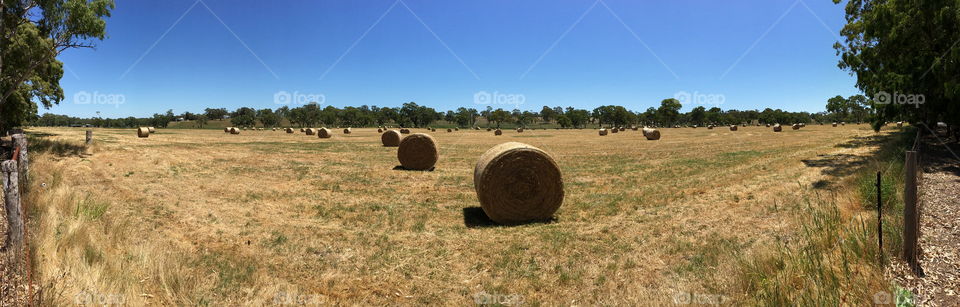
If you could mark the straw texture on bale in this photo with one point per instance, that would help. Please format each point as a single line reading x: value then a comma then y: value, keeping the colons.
x: 226, y: 129
x: 603, y: 132
x: 777, y: 128
x: 234, y: 130
x: 310, y: 131
x: 347, y: 130
x: 391, y: 138
x: 143, y: 132
x: 418, y: 151
x: 324, y: 133
x: 518, y: 183
x: 733, y: 127
x: 651, y: 134
x: 289, y: 130
x: 152, y: 129
x: 497, y: 132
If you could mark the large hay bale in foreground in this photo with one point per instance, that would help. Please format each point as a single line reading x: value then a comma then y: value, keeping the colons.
x: 310, y: 131
x: 497, y: 132
x: 289, y: 130
x: 602, y: 132
x: 733, y: 127
x: 391, y: 138
x: 518, y: 183
x: 143, y: 132
x: 324, y: 133
x: 347, y: 130
x: 777, y: 128
x: 418, y: 151
x: 152, y: 129
x: 651, y: 134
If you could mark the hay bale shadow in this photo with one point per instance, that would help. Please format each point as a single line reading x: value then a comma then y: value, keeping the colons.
x: 401, y: 168
x: 474, y: 217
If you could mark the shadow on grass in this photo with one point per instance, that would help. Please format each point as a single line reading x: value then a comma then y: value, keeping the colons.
x: 843, y: 164
x: 474, y: 217
x: 40, y: 143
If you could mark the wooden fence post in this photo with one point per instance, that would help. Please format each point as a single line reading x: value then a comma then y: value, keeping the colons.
x: 23, y: 160
x: 910, y: 214
x: 880, y: 215
x: 89, y: 137
x: 11, y: 193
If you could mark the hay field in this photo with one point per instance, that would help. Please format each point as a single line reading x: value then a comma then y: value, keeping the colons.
x: 266, y: 217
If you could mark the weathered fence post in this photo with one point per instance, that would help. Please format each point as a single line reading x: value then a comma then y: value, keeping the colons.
x: 910, y: 214
x: 89, y: 137
x: 11, y: 193
x: 23, y: 159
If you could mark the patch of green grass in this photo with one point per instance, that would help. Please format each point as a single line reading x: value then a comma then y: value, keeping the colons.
x: 91, y: 209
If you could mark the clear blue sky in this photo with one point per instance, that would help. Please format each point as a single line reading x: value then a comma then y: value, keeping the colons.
x: 189, y: 55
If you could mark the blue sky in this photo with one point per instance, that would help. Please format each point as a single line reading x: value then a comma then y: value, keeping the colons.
x: 189, y: 55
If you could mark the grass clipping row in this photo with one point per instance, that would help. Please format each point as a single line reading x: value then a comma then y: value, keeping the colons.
x: 518, y: 183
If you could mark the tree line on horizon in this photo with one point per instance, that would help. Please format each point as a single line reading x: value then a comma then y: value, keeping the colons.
x: 414, y: 115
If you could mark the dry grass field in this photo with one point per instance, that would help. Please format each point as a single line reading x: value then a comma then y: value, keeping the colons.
x: 202, y: 217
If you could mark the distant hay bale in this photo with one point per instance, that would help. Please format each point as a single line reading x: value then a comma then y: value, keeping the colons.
x: 310, y: 131
x: 143, y: 132
x: 476, y: 128
x: 324, y: 133
x: 289, y: 130
x: 733, y: 127
x: 843, y: 123
x: 777, y: 128
x: 449, y: 130
x: 613, y: 130
x: 651, y: 134
x: 834, y: 124
x: 489, y: 129
x: 418, y: 151
x: 404, y: 131
x: 347, y: 130
x: 433, y: 130
x: 380, y: 130
x: 152, y: 130
x: 710, y: 127
x: 634, y: 128
x: 497, y: 132
x: 226, y: 129
x: 803, y: 125
x: 519, y: 130
x: 623, y: 129
x: 391, y: 138
x: 234, y: 130
x: 899, y: 124
x: 768, y: 125
x: 302, y: 130
x: 456, y: 129
x: 796, y: 127
x: 273, y: 129
x: 518, y: 183
x: 602, y: 132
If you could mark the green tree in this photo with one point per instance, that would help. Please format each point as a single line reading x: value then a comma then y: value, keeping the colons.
x: 698, y: 115
x: 33, y: 33
x: 669, y: 111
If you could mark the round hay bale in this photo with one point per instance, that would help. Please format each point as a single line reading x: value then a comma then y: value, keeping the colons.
x: 476, y: 128
x: 843, y: 123
x: 324, y: 133
x: 234, y: 130
x: 143, y: 132
x: 613, y: 130
x: 796, y: 127
x: 899, y: 124
x: 456, y: 129
x: 651, y: 134
x: 347, y: 130
x: 803, y: 125
x: 733, y: 127
x: 768, y: 125
x: 634, y: 128
x: 433, y: 130
x: 489, y: 129
x: 834, y: 124
x: 449, y: 130
x: 226, y: 129
x: 518, y: 183
x: 418, y: 151
x: 602, y: 132
x: 404, y: 131
x: 289, y: 130
x: 519, y: 130
x: 391, y: 138
x: 497, y: 132
x: 777, y: 128
x: 380, y: 130
x: 310, y: 131
x: 710, y: 127
x: 303, y: 130
x: 152, y: 130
